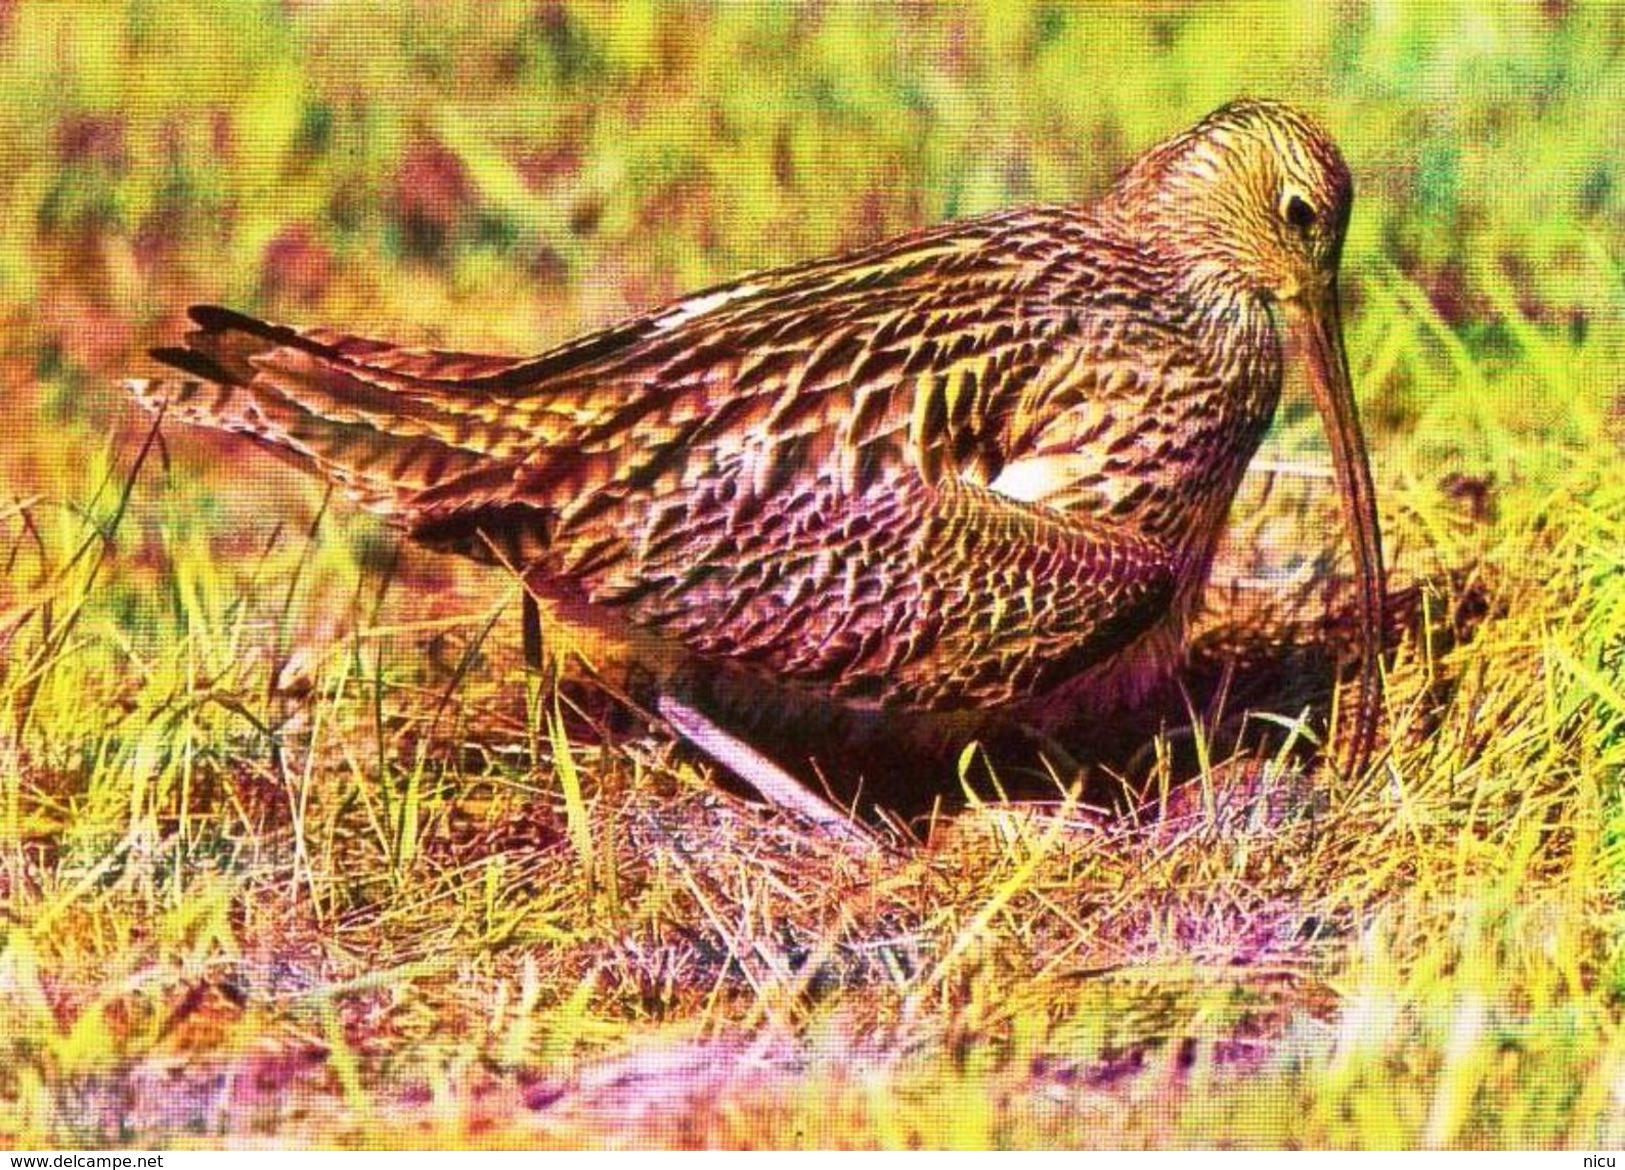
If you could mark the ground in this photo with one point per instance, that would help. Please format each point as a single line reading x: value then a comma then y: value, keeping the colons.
x: 294, y: 851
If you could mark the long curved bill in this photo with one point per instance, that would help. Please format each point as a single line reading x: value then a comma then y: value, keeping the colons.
x: 1317, y: 323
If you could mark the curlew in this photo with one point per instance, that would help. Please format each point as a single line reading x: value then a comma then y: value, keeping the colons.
x: 979, y: 469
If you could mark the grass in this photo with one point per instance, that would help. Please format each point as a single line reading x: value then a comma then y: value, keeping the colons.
x: 294, y: 852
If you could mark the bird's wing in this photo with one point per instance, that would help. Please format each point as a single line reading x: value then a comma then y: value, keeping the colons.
x: 907, y: 350
x: 829, y: 519
x: 787, y: 470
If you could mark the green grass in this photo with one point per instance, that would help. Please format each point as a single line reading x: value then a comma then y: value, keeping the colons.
x: 293, y: 851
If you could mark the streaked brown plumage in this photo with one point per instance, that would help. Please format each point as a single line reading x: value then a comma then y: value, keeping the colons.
x: 979, y: 468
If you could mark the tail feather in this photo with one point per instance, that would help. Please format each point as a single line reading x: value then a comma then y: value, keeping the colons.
x: 361, y: 413
x: 410, y: 394
x: 226, y: 330
x: 382, y: 477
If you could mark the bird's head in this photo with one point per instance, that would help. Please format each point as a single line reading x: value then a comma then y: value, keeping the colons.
x: 1255, y: 198
x: 1254, y: 201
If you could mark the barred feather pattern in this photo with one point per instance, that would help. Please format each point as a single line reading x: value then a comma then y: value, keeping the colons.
x: 967, y: 469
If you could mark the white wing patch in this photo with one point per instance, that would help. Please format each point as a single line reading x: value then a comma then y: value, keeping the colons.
x: 685, y: 311
x: 1038, y: 477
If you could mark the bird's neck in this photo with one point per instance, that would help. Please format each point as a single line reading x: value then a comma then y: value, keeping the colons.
x: 1192, y: 227
x: 1215, y: 416
x: 1226, y: 426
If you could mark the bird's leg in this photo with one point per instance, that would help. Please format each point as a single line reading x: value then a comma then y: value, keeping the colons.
x: 774, y: 784
x: 1059, y: 762
x: 530, y: 616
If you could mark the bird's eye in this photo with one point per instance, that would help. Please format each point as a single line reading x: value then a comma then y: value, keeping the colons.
x: 1298, y: 213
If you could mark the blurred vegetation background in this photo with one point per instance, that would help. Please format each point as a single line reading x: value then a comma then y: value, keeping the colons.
x: 222, y: 784
x: 501, y: 175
